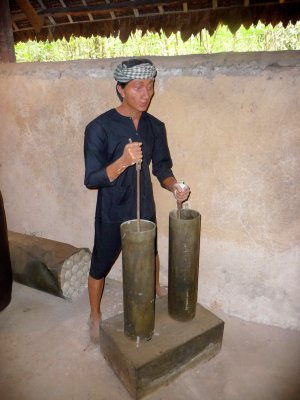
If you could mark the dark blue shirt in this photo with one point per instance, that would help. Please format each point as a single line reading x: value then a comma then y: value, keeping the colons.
x: 104, y: 142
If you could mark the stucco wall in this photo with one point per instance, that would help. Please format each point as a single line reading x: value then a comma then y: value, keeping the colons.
x: 233, y: 129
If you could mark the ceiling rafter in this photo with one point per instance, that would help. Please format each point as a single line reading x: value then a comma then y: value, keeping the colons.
x: 68, y: 15
x: 35, y: 20
x: 131, y: 5
x: 116, y: 7
x: 63, y: 18
x: 136, y: 11
x: 160, y: 9
x: 112, y: 14
x: 42, y: 5
x: 89, y: 14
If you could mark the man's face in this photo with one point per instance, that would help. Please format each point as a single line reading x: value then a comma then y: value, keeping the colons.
x: 137, y: 94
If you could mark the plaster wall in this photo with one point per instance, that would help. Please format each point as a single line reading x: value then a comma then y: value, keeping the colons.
x: 233, y: 130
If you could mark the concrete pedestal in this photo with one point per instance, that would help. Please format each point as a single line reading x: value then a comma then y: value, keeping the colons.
x: 175, y: 346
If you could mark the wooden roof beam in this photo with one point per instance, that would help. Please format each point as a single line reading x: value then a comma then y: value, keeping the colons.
x: 161, y: 9
x: 51, y: 19
x: 15, y: 26
x: 32, y: 16
x: 112, y: 14
x: 136, y: 11
x: 108, y: 7
x: 68, y: 15
x: 89, y: 14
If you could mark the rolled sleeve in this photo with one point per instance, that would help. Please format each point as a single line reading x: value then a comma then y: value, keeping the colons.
x: 95, y: 157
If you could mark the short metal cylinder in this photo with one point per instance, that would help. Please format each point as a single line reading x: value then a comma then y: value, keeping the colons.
x: 138, y: 266
x: 184, y: 249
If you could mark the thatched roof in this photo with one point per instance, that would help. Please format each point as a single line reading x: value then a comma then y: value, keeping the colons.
x: 55, y: 19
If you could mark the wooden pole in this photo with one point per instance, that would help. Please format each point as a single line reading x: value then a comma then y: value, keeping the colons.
x: 5, y: 264
x: 7, y: 50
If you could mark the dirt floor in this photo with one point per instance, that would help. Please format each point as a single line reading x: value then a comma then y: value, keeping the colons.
x: 45, y: 354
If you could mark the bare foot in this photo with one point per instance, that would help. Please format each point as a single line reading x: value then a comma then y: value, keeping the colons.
x: 94, y: 326
x: 161, y: 291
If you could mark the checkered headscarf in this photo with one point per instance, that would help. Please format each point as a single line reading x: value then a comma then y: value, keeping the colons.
x: 124, y: 74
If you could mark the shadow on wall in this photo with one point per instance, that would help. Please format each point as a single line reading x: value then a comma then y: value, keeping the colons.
x: 5, y: 264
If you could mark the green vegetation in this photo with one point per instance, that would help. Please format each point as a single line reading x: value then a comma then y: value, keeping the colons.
x: 256, y: 38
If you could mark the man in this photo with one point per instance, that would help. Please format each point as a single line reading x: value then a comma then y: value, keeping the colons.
x: 114, y: 142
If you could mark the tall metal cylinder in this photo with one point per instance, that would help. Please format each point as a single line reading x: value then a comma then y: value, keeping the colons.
x: 184, y: 249
x: 138, y: 265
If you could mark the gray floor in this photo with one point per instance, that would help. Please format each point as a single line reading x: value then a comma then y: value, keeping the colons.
x: 45, y: 353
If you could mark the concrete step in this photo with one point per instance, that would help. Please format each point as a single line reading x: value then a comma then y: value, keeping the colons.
x: 175, y: 346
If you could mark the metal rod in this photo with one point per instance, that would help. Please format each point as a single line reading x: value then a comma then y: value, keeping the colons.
x: 179, y: 203
x: 138, y: 195
x: 138, y: 167
x: 179, y: 208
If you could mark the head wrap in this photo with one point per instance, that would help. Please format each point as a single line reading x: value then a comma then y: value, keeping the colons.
x: 125, y: 74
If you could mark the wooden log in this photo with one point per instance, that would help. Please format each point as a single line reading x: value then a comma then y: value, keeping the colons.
x: 5, y: 264
x: 54, y: 267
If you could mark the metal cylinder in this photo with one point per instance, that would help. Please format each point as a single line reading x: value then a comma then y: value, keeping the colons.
x: 138, y: 266
x: 184, y: 249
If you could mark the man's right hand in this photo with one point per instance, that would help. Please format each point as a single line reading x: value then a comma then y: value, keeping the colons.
x: 132, y: 153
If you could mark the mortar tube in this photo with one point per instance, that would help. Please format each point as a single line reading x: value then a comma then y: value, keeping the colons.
x: 184, y: 250
x: 138, y: 268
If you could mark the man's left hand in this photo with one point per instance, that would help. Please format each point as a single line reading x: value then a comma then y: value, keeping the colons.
x: 181, y: 192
